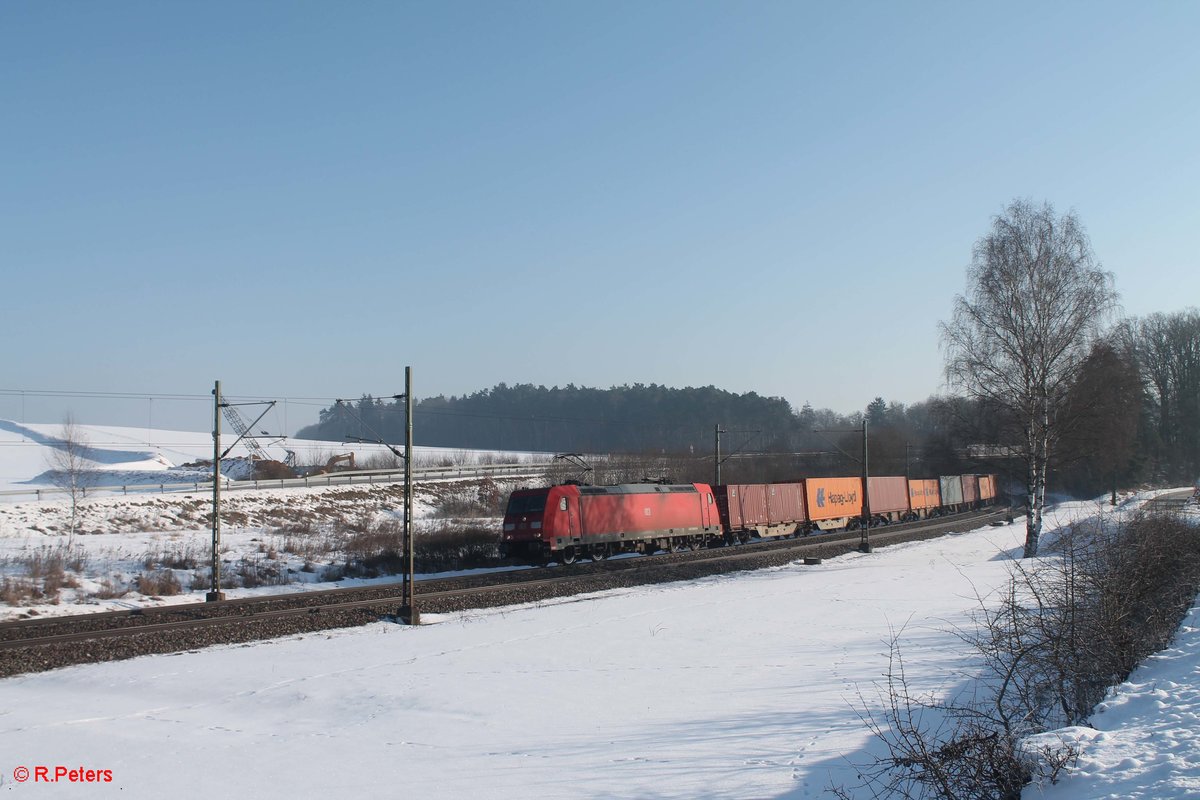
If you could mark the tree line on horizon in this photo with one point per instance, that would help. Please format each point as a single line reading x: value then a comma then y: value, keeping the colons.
x: 1134, y: 414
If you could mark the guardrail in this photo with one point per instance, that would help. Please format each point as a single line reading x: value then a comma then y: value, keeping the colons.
x: 355, y: 477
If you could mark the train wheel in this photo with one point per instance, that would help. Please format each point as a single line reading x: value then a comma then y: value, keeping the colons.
x: 598, y: 552
x: 568, y: 555
x: 743, y: 537
x: 695, y: 542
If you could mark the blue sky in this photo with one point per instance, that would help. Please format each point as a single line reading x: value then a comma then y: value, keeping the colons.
x: 300, y: 199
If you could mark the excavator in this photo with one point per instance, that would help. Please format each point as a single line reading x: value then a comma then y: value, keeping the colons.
x: 348, y: 458
x: 332, y: 463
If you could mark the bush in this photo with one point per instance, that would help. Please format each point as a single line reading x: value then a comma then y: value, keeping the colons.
x: 380, y: 550
x: 450, y: 549
x: 483, y: 500
x: 1069, y: 626
x: 260, y: 573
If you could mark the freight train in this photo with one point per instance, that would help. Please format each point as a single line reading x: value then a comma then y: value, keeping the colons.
x: 568, y: 522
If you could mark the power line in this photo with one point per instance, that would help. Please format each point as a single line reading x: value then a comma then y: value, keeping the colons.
x: 100, y: 395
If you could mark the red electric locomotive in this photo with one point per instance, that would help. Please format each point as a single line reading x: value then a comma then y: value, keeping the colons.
x: 565, y: 523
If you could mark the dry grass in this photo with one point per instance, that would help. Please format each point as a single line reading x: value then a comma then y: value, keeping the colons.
x: 110, y: 590
x: 251, y: 573
x: 179, y: 557
x: 17, y: 591
x: 200, y: 579
x: 159, y: 583
x: 43, y: 574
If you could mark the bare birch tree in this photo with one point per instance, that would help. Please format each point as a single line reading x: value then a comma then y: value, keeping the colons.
x: 70, y: 469
x: 1035, y: 300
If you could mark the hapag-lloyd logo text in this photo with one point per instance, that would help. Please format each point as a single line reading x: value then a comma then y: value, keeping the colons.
x: 835, y: 498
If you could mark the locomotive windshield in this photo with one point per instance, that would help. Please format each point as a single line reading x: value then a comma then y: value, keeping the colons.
x: 523, y: 504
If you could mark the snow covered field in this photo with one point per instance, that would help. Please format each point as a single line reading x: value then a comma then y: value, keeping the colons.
x: 119, y: 456
x: 273, y: 539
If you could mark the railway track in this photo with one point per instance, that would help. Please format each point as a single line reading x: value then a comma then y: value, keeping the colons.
x: 38, y: 645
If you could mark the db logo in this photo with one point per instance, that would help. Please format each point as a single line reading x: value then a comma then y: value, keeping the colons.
x: 21, y: 774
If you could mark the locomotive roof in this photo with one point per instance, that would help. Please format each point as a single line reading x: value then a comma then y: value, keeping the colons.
x: 639, y: 488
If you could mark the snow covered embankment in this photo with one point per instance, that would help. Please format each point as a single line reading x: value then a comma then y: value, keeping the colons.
x: 1146, y: 739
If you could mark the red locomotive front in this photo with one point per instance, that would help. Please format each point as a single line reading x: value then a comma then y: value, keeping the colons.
x: 530, y: 521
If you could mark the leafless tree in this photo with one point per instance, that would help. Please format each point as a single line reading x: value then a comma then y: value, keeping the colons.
x: 70, y: 468
x: 1168, y: 351
x: 1103, y: 410
x: 1035, y: 300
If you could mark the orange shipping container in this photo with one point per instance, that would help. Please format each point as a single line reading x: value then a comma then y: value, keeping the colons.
x: 830, y: 498
x: 987, y: 487
x: 923, y: 494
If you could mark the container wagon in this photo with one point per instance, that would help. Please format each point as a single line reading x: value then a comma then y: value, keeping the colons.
x: 970, y: 490
x: 987, y: 489
x: 924, y: 498
x: 950, y: 487
x: 888, y: 498
x: 760, y: 509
